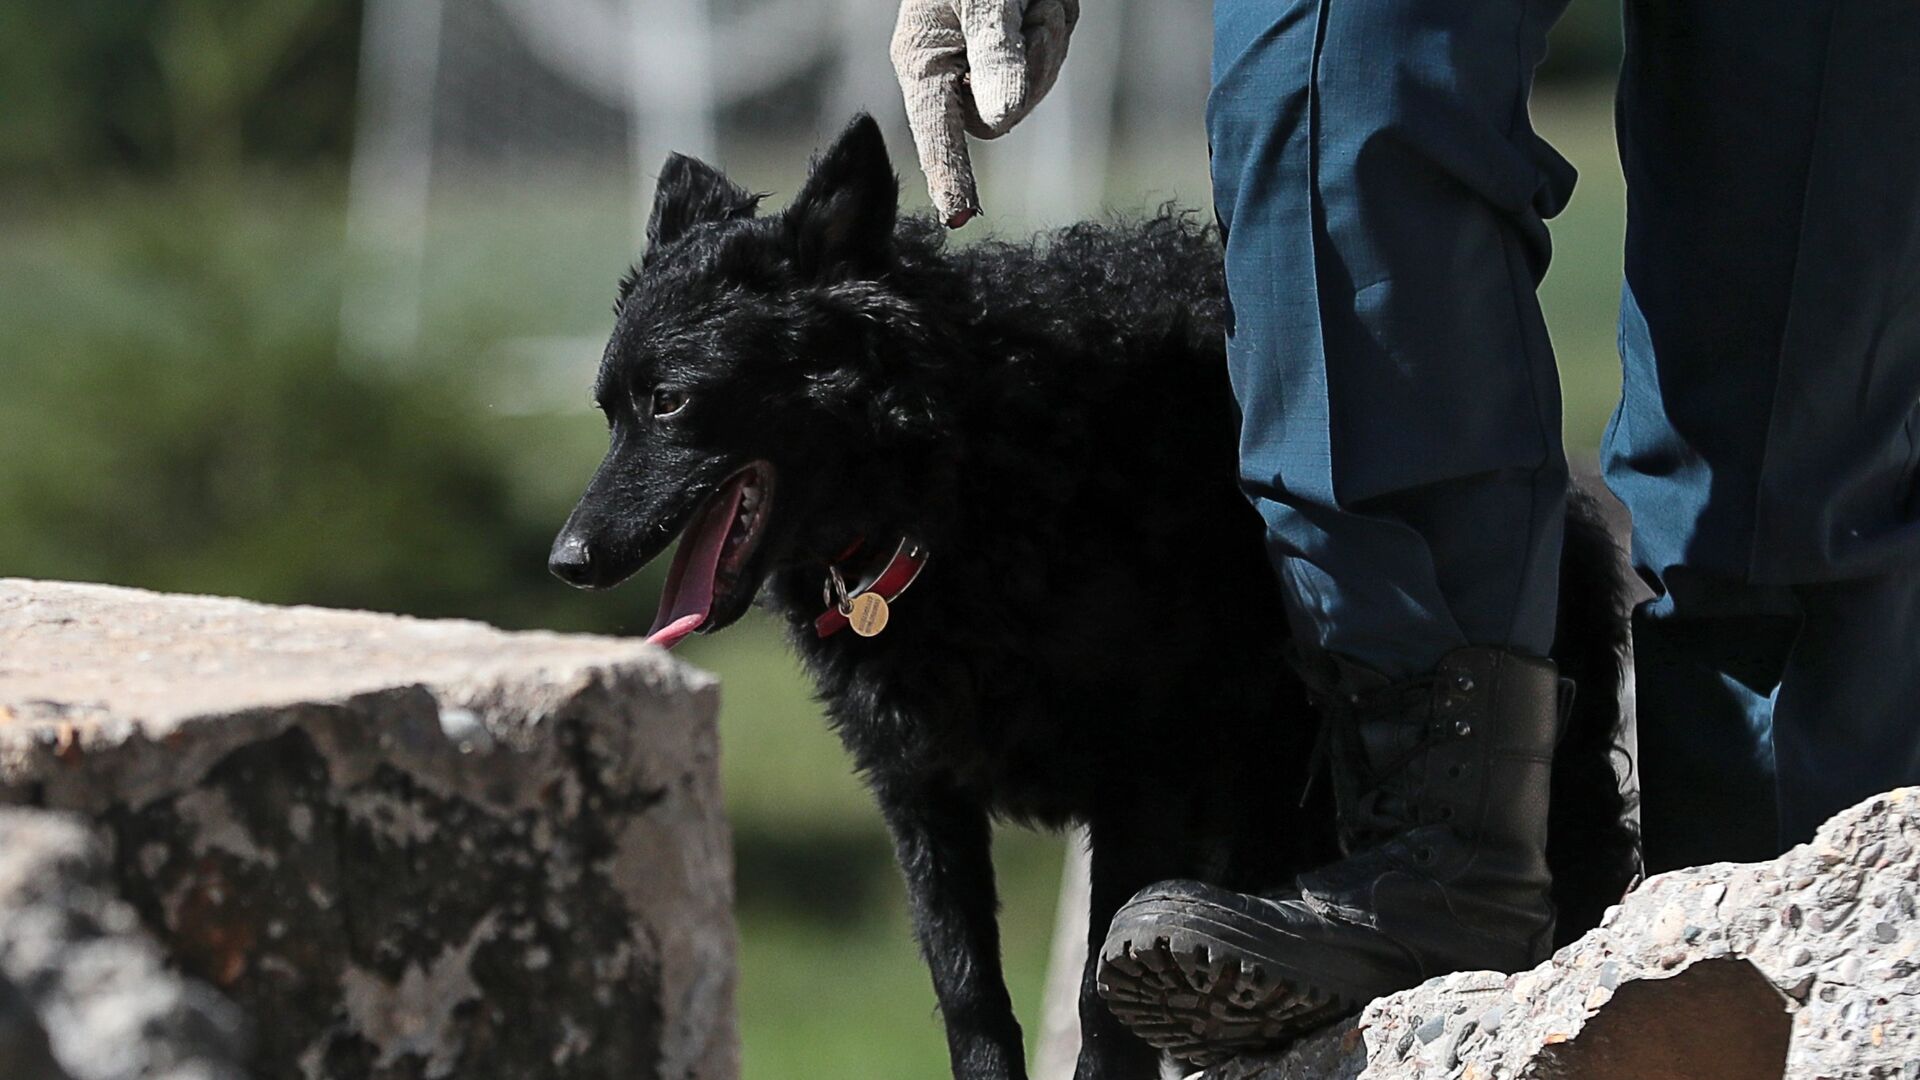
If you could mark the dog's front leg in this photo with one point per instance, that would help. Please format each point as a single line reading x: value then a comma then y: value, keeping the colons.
x: 944, y: 844
x: 1127, y: 857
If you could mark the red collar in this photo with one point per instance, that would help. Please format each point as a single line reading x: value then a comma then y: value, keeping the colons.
x: 866, y: 608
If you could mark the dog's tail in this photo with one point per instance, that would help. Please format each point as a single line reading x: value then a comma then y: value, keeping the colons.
x: 1593, y: 846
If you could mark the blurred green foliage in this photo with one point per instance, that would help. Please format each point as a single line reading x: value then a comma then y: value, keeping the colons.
x: 177, y: 417
x: 153, y: 86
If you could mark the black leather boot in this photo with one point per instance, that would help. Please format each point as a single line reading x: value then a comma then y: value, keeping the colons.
x: 1440, y: 785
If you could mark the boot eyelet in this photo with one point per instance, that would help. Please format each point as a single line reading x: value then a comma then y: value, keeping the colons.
x: 1463, y: 681
x: 1463, y: 729
x: 1423, y: 855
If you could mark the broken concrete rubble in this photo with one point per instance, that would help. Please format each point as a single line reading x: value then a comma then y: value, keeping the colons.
x: 403, y: 848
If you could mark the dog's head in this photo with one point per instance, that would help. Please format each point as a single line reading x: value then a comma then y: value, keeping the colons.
x: 746, y: 373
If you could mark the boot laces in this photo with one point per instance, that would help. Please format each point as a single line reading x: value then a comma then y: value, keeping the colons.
x: 1376, y: 800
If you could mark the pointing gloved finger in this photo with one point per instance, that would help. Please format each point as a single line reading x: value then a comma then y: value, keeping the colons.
x: 929, y: 53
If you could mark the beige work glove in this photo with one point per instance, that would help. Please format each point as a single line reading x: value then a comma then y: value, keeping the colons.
x: 973, y: 67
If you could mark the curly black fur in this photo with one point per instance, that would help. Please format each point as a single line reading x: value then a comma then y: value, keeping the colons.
x: 1098, y: 637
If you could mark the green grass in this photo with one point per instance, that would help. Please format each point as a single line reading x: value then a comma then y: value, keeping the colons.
x: 154, y: 341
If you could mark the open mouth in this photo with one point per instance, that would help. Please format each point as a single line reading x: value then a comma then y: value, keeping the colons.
x: 707, y: 574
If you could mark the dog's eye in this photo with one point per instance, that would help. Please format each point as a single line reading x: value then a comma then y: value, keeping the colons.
x: 668, y: 402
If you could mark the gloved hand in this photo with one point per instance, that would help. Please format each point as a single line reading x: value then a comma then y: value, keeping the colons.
x: 973, y: 67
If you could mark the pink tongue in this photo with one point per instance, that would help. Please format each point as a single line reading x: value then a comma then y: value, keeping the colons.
x: 688, y: 599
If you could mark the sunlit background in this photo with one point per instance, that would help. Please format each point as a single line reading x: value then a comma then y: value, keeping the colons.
x: 299, y: 301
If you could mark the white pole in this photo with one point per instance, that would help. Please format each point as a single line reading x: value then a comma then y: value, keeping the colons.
x: 388, y: 183
x: 673, y: 106
x: 1058, y: 1048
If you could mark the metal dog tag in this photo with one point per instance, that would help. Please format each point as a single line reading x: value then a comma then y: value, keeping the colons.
x: 867, y: 614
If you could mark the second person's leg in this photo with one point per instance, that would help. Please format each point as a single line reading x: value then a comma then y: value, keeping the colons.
x: 1765, y: 439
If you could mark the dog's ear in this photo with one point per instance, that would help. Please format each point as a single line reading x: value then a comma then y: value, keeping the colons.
x: 841, y: 223
x: 690, y: 192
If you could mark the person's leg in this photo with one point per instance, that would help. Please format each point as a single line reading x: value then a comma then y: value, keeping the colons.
x: 1707, y: 659
x: 1718, y: 108
x: 1771, y: 354
x: 1382, y: 194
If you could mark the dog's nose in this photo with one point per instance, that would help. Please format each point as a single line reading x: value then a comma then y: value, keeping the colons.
x: 571, y: 561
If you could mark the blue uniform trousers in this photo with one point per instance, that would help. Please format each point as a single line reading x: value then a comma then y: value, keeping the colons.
x: 1384, y: 196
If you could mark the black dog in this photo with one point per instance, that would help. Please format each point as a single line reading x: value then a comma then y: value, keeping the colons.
x: 1040, y: 440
